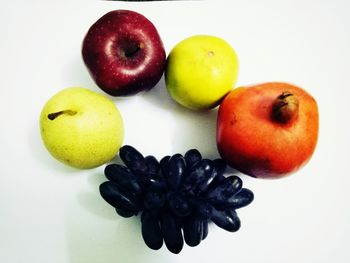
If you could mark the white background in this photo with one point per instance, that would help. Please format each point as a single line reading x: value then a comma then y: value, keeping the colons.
x: 53, y: 213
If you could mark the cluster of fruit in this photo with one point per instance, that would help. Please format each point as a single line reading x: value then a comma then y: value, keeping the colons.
x: 268, y: 130
x: 178, y: 194
x: 125, y: 54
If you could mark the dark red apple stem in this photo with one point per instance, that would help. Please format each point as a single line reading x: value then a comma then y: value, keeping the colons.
x: 285, y: 108
x: 54, y: 115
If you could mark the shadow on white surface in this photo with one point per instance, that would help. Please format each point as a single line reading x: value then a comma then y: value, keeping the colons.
x: 192, y: 129
x: 96, y: 233
x: 92, y: 202
x: 76, y: 74
x: 195, y: 130
x: 119, y: 242
x: 159, y: 96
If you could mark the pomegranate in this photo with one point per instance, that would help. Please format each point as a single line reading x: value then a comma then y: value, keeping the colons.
x: 268, y: 130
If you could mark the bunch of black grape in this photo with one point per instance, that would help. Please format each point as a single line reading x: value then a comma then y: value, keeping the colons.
x: 178, y: 196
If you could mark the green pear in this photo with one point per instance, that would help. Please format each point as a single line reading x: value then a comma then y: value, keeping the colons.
x: 200, y: 71
x: 81, y: 128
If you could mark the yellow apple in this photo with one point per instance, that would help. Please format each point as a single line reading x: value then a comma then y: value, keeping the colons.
x: 200, y: 71
x: 81, y: 128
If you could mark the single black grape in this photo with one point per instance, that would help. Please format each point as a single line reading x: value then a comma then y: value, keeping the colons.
x: 179, y: 205
x: 171, y: 231
x: 118, y: 198
x: 216, y: 181
x: 224, y: 190
x: 205, y: 182
x: 205, y: 229
x: 124, y: 213
x: 123, y: 177
x: 176, y: 170
x: 129, y: 155
x: 152, y: 164
x: 154, y: 200
x: 226, y: 219
x: 164, y: 165
x: 193, y: 231
x: 151, y: 232
x: 192, y: 157
x: 241, y: 199
x: 218, y: 171
x: 133, y: 159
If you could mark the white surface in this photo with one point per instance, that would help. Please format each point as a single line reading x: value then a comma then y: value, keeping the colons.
x: 52, y: 213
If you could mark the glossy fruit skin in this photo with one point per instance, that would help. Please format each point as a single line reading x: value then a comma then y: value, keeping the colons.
x: 200, y: 70
x: 118, y: 197
x: 178, y: 196
x: 124, y: 53
x: 172, y: 234
x: 151, y: 232
x: 249, y: 140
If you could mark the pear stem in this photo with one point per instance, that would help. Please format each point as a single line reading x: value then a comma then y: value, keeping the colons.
x: 285, y: 108
x: 54, y: 115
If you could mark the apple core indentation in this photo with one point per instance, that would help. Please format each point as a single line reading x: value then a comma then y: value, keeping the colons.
x: 131, y: 49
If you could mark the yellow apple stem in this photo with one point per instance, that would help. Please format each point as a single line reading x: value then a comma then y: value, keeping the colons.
x: 285, y: 108
x: 54, y: 115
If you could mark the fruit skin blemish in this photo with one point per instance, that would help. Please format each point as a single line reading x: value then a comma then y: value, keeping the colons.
x: 177, y: 196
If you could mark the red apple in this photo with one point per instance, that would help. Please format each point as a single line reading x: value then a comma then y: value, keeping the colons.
x: 268, y: 130
x: 124, y: 53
